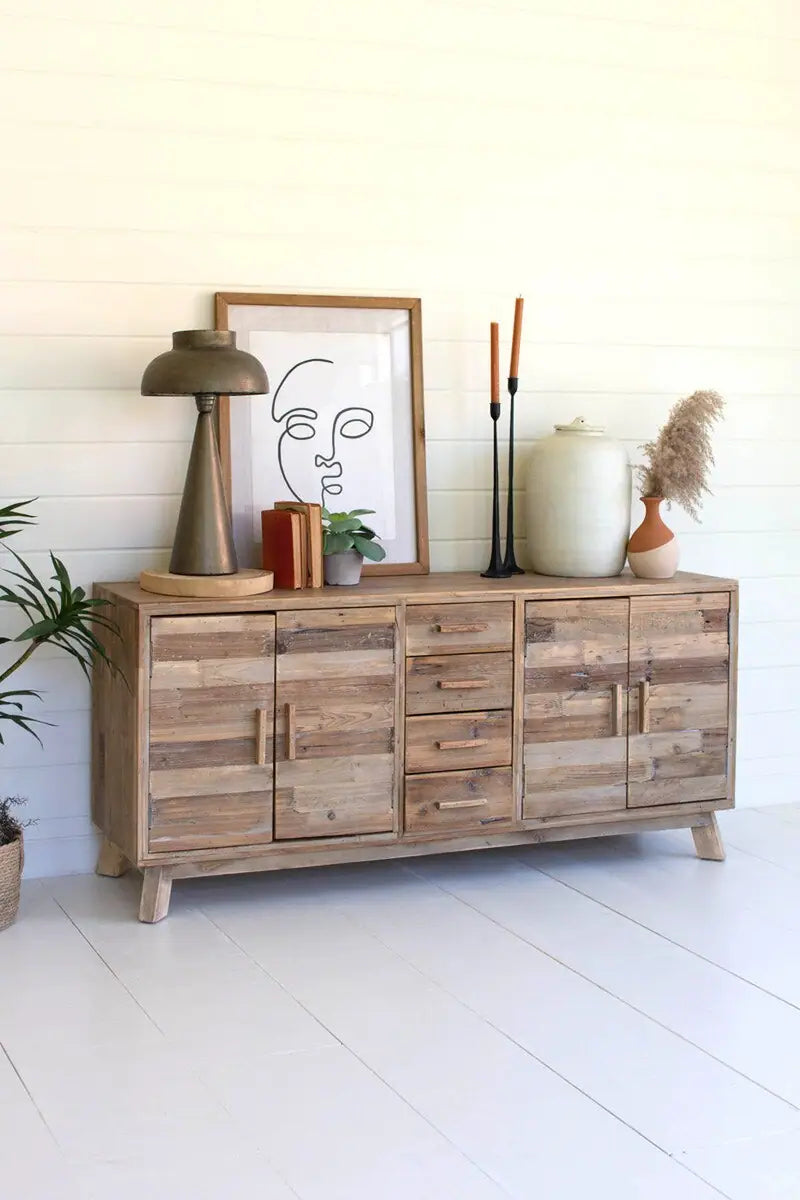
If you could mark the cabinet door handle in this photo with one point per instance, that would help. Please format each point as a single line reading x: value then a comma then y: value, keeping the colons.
x: 452, y: 627
x: 477, y: 802
x: 461, y: 683
x: 464, y: 744
x: 261, y: 736
x: 291, y: 733
x: 616, y: 709
x: 644, y: 706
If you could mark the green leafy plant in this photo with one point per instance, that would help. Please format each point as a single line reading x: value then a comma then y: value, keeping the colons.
x: 58, y: 613
x: 346, y: 531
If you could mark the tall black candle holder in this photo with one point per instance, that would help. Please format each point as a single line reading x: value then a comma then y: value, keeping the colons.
x: 510, y: 565
x: 496, y: 568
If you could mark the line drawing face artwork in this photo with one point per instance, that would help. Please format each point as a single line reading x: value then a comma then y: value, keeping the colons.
x: 326, y: 433
x: 302, y: 425
x: 341, y: 424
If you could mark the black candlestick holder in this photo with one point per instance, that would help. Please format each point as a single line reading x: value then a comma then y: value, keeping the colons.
x: 510, y: 565
x: 496, y: 568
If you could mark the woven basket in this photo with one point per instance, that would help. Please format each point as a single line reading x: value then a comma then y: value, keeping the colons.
x: 12, y: 858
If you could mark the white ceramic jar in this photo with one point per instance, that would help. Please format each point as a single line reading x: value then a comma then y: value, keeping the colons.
x: 578, y: 502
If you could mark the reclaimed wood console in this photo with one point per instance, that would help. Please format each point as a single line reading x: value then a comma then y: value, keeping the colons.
x: 407, y: 716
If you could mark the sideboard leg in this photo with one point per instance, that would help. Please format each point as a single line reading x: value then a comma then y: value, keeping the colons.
x: 156, y: 889
x: 708, y: 840
x: 111, y: 861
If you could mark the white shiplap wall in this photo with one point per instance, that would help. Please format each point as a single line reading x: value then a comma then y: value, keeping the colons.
x: 631, y: 166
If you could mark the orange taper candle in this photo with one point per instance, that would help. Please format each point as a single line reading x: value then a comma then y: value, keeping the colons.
x: 513, y: 370
x: 495, y: 344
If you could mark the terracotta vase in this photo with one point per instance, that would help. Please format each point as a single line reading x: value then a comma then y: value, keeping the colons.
x: 653, y: 550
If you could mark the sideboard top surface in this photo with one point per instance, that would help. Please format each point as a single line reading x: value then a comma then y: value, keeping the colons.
x: 420, y: 589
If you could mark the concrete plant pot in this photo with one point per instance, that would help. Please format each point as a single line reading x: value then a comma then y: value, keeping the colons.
x: 343, y: 568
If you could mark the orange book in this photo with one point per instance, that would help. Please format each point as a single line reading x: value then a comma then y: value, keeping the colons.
x: 312, y: 514
x: 281, y: 547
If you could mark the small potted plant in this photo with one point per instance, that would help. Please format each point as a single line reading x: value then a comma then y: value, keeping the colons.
x: 346, y: 542
x: 58, y: 614
x: 676, y: 469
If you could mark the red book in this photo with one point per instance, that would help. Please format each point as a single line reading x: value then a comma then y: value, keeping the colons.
x: 282, y: 547
x: 312, y: 518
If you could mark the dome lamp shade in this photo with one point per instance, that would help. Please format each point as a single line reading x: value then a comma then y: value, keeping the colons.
x: 205, y: 362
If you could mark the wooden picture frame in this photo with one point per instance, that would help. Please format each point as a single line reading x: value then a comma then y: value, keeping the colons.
x: 361, y: 316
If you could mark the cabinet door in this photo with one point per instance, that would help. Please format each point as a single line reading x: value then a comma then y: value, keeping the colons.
x: 680, y: 661
x: 211, y: 731
x: 575, y: 714
x: 335, y: 722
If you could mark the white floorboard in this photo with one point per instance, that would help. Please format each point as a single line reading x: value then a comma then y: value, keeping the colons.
x: 613, y: 1019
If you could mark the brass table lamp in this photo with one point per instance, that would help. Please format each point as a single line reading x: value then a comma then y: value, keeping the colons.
x: 206, y: 364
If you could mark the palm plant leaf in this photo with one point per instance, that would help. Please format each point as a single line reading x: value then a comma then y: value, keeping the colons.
x: 58, y: 613
x: 11, y: 710
x: 13, y: 518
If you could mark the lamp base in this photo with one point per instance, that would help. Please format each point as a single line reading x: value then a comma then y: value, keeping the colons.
x: 228, y: 587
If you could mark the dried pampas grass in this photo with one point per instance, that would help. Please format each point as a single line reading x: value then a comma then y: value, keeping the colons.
x: 678, y: 461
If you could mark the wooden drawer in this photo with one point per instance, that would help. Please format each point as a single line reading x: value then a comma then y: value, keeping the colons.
x: 455, y: 743
x: 458, y: 682
x: 459, y: 800
x: 453, y: 628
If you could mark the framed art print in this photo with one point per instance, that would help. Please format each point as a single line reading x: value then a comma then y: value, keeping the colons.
x: 342, y: 425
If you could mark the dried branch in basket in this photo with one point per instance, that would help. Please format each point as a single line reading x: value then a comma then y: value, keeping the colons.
x: 679, y: 460
x: 10, y: 826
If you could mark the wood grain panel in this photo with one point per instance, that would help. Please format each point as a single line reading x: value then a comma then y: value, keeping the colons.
x: 677, y: 639
x: 195, y: 821
x: 457, y: 742
x: 341, y: 631
x: 211, y: 724
x: 449, y: 592
x: 117, y: 735
x: 335, y: 722
x: 575, y: 706
x: 240, y: 636
x: 679, y: 699
x: 565, y: 778
x: 317, y: 854
x: 481, y: 799
x: 334, y: 796
x: 458, y: 682
x: 453, y: 628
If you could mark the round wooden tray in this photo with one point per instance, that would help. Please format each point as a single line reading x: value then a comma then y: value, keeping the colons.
x: 230, y: 587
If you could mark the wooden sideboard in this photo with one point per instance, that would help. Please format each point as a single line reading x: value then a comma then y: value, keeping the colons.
x: 409, y: 715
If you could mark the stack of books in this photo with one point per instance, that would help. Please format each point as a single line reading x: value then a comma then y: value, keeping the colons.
x: 291, y: 538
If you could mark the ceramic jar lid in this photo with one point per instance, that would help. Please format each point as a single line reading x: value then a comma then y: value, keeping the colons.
x: 579, y: 425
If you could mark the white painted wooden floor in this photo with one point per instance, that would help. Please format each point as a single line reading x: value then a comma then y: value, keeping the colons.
x: 608, y: 1019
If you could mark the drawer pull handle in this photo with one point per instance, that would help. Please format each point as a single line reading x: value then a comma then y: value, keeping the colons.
x: 463, y: 744
x: 261, y: 737
x: 476, y: 803
x: 616, y: 709
x: 451, y: 627
x: 644, y: 706
x: 291, y: 734
x: 461, y: 683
